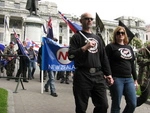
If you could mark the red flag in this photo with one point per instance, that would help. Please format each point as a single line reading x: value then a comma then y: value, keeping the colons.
x: 36, y: 45
x: 50, y: 29
x: 31, y: 42
x: 73, y: 26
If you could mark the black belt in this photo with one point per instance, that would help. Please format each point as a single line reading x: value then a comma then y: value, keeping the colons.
x: 90, y: 70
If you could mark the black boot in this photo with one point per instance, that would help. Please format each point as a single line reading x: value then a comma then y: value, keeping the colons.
x: 45, y: 75
x: 32, y: 73
x: 62, y: 80
x: 58, y: 76
x: 24, y: 80
x: 8, y: 78
x: 67, y: 78
x: 46, y: 88
x: 67, y: 81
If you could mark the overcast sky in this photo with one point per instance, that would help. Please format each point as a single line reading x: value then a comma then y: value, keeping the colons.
x: 106, y: 9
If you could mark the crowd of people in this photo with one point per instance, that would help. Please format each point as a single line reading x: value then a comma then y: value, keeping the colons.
x: 27, y: 66
x: 96, y: 68
x: 25, y: 63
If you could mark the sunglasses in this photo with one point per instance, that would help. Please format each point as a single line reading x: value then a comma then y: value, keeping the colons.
x: 122, y: 33
x: 86, y: 18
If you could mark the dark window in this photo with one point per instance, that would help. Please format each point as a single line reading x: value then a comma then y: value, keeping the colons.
x: 70, y: 31
x: 1, y: 36
x: 61, y: 28
x: 137, y: 35
x: 1, y: 22
x: 13, y: 38
x: 15, y: 23
x: 17, y: 5
x: 136, y: 23
x: 2, y: 3
x: 60, y: 39
x: 146, y: 37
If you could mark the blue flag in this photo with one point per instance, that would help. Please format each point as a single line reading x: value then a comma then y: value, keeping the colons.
x: 2, y: 47
x: 20, y: 46
x: 55, y: 56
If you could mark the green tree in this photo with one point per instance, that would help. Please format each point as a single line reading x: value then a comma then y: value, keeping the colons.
x: 136, y: 42
x: 146, y: 43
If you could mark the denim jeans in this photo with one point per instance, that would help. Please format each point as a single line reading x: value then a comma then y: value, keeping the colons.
x: 51, y: 82
x: 123, y: 86
x: 31, y: 68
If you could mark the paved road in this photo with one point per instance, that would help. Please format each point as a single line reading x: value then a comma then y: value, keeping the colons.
x: 32, y: 100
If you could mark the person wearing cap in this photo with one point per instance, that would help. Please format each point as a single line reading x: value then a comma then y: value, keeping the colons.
x: 9, y: 52
x: 32, y: 62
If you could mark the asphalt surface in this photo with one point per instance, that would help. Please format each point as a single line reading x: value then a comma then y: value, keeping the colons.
x: 32, y: 99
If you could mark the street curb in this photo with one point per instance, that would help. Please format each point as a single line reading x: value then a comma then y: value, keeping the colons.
x: 11, y: 108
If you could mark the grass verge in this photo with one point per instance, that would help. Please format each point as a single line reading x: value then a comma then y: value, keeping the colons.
x: 3, y: 100
x: 138, y: 91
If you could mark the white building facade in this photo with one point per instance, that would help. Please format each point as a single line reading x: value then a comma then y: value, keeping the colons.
x: 13, y: 15
x: 148, y: 32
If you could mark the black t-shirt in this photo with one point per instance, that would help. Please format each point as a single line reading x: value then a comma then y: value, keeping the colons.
x: 121, y: 59
x: 93, y: 57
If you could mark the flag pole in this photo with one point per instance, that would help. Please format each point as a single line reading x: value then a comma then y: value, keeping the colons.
x: 69, y: 23
x: 84, y: 36
x: 5, y: 29
x: 42, y: 67
x: 42, y: 81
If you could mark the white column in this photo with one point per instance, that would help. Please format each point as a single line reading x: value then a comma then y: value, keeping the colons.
x: 68, y: 35
x: 6, y: 29
x: 55, y: 24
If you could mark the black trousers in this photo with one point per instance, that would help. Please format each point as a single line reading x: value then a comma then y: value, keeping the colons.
x: 64, y: 75
x: 44, y: 73
x: 60, y: 74
x: 145, y: 93
x: 22, y: 69
x: 85, y: 86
